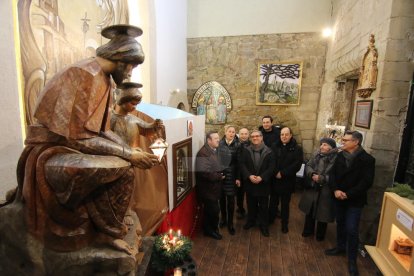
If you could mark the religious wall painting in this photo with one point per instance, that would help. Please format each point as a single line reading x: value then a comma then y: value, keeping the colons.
x: 57, y: 33
x: 182, y: 170
x: 213, y: 101
x: 363, y: 113
x: 278, y: 83
x: 368, y: 72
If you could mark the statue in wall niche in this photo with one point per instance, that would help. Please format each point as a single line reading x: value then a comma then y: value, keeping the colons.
x: 75, y: 176
x: 367, y: 81
x: 138, y: 130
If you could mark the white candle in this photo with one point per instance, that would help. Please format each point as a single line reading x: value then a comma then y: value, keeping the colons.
x: 179, y: 233
x: 178, y: 271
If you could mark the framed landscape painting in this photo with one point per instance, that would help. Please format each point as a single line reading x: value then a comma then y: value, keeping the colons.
x: 278, y: 83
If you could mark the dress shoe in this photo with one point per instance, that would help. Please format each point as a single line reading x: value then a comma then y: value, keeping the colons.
x: 214, y: 235
x: 319, y: 238
x: 353, y: 269
x: 241, y: 215
x: 278, y: 214
x: 231, y: 230
x: 223, y: 223
x: 285, y: 229
x: 248, y: 226
x: 241, y: 211
x: 335, y: 251
x: 265, y: 232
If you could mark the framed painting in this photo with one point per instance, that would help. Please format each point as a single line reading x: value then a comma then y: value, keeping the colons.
x: 363, y: 113
x: 182, y: 170
x: 278, y: 83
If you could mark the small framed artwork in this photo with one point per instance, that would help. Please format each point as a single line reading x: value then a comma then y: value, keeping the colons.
x: 182, y: 170
x: 278, y: 83
x: 363, y: 113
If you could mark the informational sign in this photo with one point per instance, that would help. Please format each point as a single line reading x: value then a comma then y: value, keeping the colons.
x: 405, y: 219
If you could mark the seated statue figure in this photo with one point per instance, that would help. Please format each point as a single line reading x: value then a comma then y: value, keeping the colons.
x: 150, y: 195
x: 75, y: 176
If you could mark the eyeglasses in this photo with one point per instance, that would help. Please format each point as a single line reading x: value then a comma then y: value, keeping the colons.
x: 255, y: 136
x: 346, y: 140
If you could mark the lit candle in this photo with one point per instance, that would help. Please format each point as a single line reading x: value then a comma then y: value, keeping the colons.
x: 179, y: 233
x: 178, y: 271
x: 170, y: 233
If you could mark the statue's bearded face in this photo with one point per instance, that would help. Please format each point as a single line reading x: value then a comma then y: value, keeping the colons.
x: 122, y: 71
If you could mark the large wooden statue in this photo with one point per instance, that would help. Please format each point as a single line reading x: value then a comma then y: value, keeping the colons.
x: 75, y: 176
x: 150, y: 196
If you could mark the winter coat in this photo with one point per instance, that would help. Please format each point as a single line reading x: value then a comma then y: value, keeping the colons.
x: 289, y: 159
x: 270, y: 137
x: 228, y: 158
x: 243, y: 145
x: 208, y: 174
x: 265, y: 171
x: 318, y: 197
x: 354, y: 180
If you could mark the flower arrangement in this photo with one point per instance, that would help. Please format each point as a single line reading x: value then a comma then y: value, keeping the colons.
x: 170, y: 250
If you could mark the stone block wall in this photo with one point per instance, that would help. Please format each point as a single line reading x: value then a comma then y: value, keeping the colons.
x: 392, y: 23
x: 233, y: 62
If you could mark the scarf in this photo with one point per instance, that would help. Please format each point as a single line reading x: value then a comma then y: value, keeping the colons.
x: 349, y: 157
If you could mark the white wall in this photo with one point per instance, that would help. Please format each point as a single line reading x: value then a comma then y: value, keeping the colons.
x: 207, y: 18
x: 11, y: 141
x: 171, y: 47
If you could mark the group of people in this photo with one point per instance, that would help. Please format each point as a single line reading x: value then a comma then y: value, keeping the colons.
x: 262, y: 165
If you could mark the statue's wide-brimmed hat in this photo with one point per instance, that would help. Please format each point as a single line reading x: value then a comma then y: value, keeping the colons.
x: 122, y: 45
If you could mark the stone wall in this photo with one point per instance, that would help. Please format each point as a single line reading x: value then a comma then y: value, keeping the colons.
x: 233, y: 62
x: 392, y: 23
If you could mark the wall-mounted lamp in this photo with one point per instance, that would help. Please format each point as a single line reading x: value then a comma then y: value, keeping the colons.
x: 327, y: 32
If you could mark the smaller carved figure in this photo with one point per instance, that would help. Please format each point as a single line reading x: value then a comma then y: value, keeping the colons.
x: 150, y: 193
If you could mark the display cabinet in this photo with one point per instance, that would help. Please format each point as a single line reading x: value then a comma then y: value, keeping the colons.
x: 393, y: 252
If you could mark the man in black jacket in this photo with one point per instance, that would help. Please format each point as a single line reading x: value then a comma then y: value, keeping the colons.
x: 244, y: 135
x: 209, y: 178
x: 351, y: 177
x: 289, y: 158
x: 256, y: 167
x: 271, y: 133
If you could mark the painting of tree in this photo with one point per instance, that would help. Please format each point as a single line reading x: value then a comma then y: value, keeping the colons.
x: 279, y: 83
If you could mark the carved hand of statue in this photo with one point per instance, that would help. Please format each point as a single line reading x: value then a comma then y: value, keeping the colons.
x: 142, y: 159
x: 158, y: 123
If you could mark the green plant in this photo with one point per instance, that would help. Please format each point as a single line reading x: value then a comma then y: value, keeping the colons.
x: 403, y: 190
x: 170, y: 250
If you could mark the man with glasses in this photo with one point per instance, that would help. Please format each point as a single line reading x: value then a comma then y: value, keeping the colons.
x: 256, y: 167
x: 351, y: 177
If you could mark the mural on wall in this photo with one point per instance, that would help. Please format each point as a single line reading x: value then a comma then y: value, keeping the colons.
x: 56, y: 33
x: 213, y: 101
x: 278, y: 83
x: 367, y: 81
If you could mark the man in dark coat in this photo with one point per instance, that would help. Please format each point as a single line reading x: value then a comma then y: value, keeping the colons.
x: 271, y: 133
x: 209, y: 178
x: 289, y: 158
x: 244, y: 142
x: 351, y: 177
x: 256, y: 167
